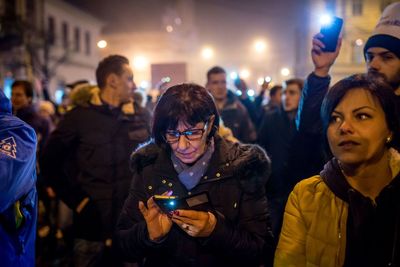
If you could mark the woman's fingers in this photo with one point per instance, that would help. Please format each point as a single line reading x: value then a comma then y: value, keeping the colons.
x: 142, y: 208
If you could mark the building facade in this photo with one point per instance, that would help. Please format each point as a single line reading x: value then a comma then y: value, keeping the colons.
x: 48, y: 42
x: 253, y: 39
x: 360, y: 18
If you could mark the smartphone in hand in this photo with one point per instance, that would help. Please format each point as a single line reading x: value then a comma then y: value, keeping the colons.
x: 331, y: 33
x: 200, y: 202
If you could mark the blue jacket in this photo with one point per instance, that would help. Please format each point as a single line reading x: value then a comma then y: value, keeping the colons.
x: 18, y: 198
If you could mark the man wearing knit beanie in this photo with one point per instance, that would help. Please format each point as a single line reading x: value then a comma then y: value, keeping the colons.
x: 382, y: 50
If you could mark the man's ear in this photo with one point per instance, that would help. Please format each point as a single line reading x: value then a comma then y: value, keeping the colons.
x: 111, y: 80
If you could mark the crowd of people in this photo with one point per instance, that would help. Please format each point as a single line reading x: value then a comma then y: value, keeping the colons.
x: 310, y: 178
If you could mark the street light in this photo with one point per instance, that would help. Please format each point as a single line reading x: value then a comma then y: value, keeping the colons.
x: 359, y: 42
x: 260, y: 46
x: 140, y: 62
x: 285, y: 72
x: 102, y: 44
x: 207, y: 53
x: 244, y: 73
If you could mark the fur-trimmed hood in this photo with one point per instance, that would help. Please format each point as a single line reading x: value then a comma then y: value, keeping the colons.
x: 86, y: 94
x: 245, y: 160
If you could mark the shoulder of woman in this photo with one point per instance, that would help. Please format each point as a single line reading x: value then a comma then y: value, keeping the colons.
x: 144, y: 155
x: 253, y: 166
x: 310, y: 187
x: 249, y: 155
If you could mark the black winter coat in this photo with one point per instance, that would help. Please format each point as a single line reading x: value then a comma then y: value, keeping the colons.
x: 235, y: 182
x: 236, y: 118
x: 88, y: 156
x: 275, y: 135
x: 40, y: 125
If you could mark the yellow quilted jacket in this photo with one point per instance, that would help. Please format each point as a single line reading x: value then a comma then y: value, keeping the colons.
x: 314, y: 226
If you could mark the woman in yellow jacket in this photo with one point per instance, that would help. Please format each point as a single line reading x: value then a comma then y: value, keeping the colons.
x: 349, y: 215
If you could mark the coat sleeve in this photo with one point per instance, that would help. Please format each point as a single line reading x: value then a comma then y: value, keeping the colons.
x: 251, y: 109
x: 308, y: 152
x: 308, y: 115
x: 292, y: 241
x: 57, y: 152
x: 248, y: 241
x: 263, y: 133
x: 248, y: 133
x: 131, y: 235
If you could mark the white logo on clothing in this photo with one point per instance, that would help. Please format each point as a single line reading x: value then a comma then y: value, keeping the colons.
x: 8, y: 147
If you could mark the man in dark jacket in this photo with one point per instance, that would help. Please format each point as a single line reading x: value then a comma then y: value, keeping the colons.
x: 275, y: 135
x: 18, y: 198
x: 232, y: 111
x: 21, y: 99
x: 86, y: 159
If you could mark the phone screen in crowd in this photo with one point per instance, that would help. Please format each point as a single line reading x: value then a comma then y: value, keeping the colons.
x: 199, y: 202
x: 330, y: 32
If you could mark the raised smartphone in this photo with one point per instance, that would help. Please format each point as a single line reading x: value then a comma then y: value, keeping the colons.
x: 331, y: 33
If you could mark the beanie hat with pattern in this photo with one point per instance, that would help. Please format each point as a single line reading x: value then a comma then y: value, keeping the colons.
x: 387, y: 32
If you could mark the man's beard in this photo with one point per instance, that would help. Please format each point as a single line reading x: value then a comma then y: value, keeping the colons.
x: 394, y: 83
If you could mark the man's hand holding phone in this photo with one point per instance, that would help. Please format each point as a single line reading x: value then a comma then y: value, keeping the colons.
x: 326, y: 46
x: 323, y: 60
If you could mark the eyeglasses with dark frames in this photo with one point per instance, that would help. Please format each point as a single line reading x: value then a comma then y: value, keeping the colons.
x: 172, y: 136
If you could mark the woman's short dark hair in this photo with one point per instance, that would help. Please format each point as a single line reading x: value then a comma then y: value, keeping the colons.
x: 189, y: 103
x: 376, y: 85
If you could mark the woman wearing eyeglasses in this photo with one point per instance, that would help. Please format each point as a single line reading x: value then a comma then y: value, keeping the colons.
x: 186, y: 158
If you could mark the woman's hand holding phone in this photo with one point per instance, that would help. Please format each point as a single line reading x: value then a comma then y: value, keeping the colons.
x: 158, y: 223
x: 195, y: 223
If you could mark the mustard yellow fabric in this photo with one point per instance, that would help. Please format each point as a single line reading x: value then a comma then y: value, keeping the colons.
x: 314, y: 226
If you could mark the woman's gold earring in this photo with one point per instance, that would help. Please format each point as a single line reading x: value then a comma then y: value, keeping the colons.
x: 388, y: 139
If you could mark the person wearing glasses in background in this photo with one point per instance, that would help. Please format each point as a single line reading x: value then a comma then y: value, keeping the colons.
x: 187, y: 157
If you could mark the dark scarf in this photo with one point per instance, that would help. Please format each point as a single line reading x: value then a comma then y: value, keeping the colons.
x: 190, y: 175
x: 370, y: 227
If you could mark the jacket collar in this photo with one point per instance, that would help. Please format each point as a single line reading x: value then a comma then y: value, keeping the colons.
x: 90, y: 95
x: 338, y: 184
x: 127, y: 108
